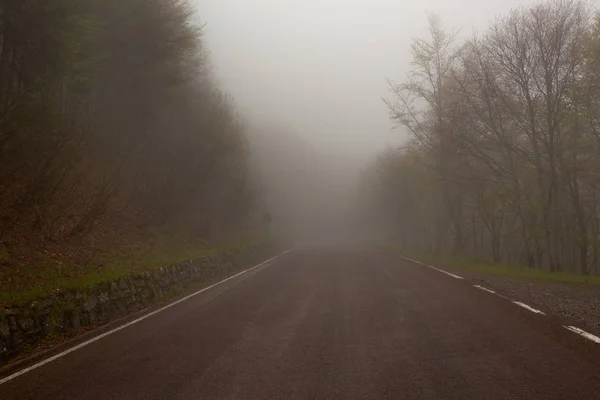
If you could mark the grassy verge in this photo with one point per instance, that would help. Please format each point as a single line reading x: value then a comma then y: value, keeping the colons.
x: 49, y: 276
x: 510, y: 271
x: 246, y: 253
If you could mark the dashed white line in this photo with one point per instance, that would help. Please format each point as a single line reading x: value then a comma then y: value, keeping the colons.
x: 573, y: 329
x: 485, y: 289
x: 583, y: 333
x: 529, y: 308
x: 432, y: 267
x: 416, y: 262
x: 92, y: 340
x: 446, y: 272
x: 520, y: 304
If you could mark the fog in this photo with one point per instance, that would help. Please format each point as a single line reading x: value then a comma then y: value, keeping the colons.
x: 309, y: 77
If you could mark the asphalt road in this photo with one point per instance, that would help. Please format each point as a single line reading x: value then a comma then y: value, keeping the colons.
x: 336, y: 323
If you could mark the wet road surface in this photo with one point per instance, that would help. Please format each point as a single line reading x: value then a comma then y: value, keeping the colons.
x: 330, y: 323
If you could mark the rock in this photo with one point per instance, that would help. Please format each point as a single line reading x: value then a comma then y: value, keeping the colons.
x: 4, y: 329
x: 3, y: 347
x: 138, y: 282
x: 16, y: 339
x: 103, y: 297
x: 121, y: 307
x: 115, y: 295
x: 26, y: 324
x: 90, y: 302
x: 76, y: 321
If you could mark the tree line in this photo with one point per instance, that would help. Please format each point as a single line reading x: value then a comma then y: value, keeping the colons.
x: 109, y: 109
x: 504, y: 157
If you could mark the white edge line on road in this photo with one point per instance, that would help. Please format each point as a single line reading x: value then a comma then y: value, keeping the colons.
x: 485, y: 289
x: 525, y: 306
x: 105, y: 334
x: 449, y: 274
x: 445, y: 272
x: 583, y: 333
x: 432, y: 267
x: 415, y: 261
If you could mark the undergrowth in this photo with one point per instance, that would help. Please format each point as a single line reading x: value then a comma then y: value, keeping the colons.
x: 508, y: 270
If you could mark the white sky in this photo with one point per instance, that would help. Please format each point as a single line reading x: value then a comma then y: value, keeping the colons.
x: 319, y: 66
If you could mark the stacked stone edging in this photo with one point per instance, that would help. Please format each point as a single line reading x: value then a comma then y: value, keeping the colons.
x: 23, y: 326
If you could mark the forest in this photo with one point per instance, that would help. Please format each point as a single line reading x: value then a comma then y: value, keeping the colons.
x: 111, y: 121
x: 503, y: 160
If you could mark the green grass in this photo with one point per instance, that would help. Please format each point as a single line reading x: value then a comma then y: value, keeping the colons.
x: 50, y: 276
x: 510, y: 271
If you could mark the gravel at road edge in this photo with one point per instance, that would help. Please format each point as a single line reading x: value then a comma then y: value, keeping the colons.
x: 574, y: 303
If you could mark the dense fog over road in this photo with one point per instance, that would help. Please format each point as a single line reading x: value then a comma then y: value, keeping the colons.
x: 319, y: 66
x: 309, y: 76
x: 299, y: 199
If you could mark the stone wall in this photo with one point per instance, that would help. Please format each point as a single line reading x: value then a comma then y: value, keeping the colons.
x: 22, y: 327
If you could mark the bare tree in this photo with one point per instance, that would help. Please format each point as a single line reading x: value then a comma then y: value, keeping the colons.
x: 420, y: 106
x: 509, y: 124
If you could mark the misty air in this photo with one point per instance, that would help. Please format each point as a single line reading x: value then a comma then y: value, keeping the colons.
x: 317, y: 199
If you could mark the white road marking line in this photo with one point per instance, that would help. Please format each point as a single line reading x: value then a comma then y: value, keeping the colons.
x: 525, y: 306
x: 452, y: 275
x: 415, y: 261
x: 484, y: 289
x: 105, y: 334
x: 432, y: 267
x: 446, y: 272
x: 583, y: 333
